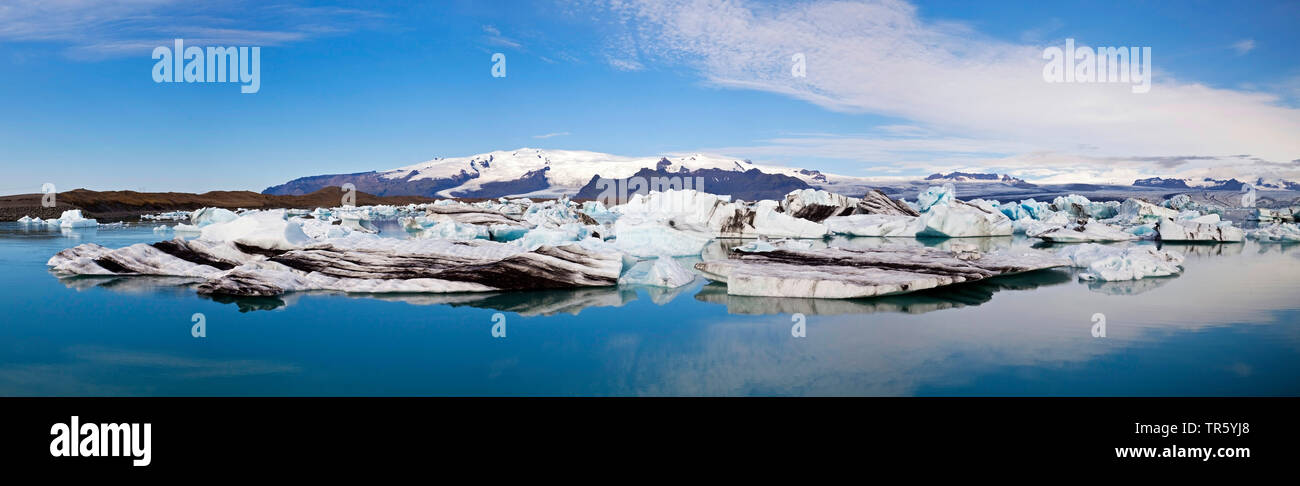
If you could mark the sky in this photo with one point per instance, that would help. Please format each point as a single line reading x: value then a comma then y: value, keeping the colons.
x: 889, y: 88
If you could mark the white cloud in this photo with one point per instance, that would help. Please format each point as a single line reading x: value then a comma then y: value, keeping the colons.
x: 880, y: 57
x: 551, y: 135
x: 105, y: 28
x: 495, y: 38
x: 1243, y: 46
x: 622, y: 64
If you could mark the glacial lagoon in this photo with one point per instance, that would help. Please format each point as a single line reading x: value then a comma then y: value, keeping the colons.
x: 1228, y: 326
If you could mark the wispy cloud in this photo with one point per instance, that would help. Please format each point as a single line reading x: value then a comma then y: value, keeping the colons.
x: 1243, y: 46
x: 881, y: 57
x: 99, y: 29
x: 494, y: 37
x: 623, y: 64
x: 550, y: 135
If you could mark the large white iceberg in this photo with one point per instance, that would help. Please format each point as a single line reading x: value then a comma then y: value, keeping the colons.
x: 874, y: 225
x: 836, y: 273
x: 960, y: 219
x: 1199, y: 229
x: 271, y: 230
x: 710, y: 215
x: 206, y: 216
x: 1083, y: 232
x: 642, y: 236
x: 659, y: 272
x: 72, y: 218
x: 1111, y: 263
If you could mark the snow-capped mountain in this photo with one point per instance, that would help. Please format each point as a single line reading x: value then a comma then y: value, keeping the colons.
x: 1217, y: 184
x: 976, y: 177
x: 546, y: 173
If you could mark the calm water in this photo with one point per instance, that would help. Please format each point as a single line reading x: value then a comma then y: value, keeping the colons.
x: 1230, y: 325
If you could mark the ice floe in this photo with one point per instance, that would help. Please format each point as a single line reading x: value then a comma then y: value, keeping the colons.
x: 837, y: 273
x: 1082, y: 232
x: 817, y: 205
x: 1111, y: 263
x: 206, y: 216
x: 709, y: 215
x: 1277, y: 233
x: 659, y: 272
x: 1206, y: 228
x: 361, y: 263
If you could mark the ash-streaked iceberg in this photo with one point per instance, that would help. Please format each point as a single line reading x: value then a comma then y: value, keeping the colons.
x: 835, y: 273
x: 712, y: 216
x: 818, y: 205
x: 1083, y: 231
x: 1206, y: 228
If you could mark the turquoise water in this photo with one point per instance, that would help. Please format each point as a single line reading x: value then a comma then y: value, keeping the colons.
x: 1230, y: 325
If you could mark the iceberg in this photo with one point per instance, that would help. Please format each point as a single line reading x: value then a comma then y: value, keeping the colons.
x: 445, y: 230
x: 933, y: 196
x: 873, y: 225
x: 1277, y: 233
x: 72, y: 218
x: 962, y: 219
x: 642, y: 237
x: 1109, y: 263
x: 356, y: 220
x: 712, y: 216
x: 1080, y: 207
x: 1283, y: 214
x: 835, y: 273
x: 1199, y: 229
x: 817, y: 205
x: 269, y: 230
x: 1134, y: 211
x: 597, y: 211
x: 359, y: 263
x: 1082, y: 232
x: 660, y: 272
x: 206, y: 216
x: 566, y: 233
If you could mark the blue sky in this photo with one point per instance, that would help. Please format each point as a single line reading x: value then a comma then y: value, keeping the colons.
x: 892, y: 88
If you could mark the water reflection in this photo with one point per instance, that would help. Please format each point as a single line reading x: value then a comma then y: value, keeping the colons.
x: 1195, y: 249
x: 1129, y: 287
x: 133, y: 284
x: 949, y: 297
x: 1224, y: 327
x: 574, y: 301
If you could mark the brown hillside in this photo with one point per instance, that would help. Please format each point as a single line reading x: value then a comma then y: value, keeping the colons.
x: 117, y: 205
